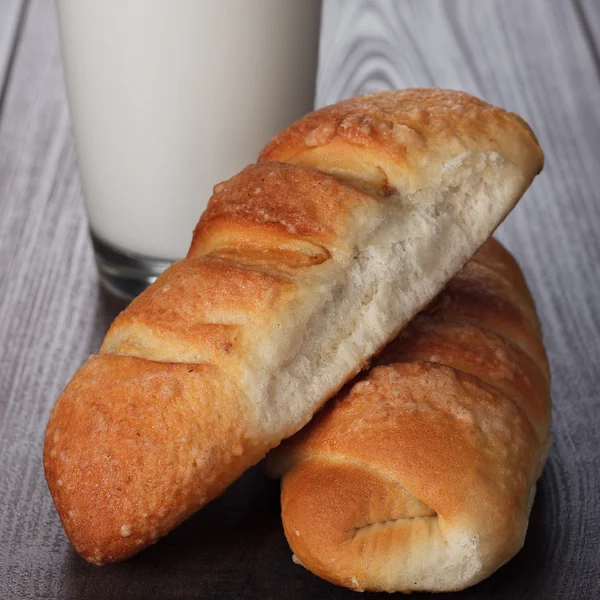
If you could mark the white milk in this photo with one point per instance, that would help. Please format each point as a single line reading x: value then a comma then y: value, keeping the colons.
x: 169, y: 97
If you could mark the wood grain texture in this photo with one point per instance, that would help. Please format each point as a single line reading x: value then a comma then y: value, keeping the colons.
x: 538, y: 58
x: 11, y: 19
x: 588, y: 12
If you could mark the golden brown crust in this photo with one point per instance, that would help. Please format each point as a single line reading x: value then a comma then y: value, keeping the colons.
x: 200, y: 310
x: 284, y: 205
x: 420, y: 476
x: 496, y: 257
x: 480, y: 352
x: 388, y: 141
x: 134, y: 447
x: 478, y: 296
x: 329, y: 540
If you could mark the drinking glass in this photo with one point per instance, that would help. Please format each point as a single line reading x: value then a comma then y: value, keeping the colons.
x: 167, y: 98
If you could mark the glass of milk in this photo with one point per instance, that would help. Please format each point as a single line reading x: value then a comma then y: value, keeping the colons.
x: 167, y: 98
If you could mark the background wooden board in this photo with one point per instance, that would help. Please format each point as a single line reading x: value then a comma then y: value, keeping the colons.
x: 539, y: 58
x: 11, y: 17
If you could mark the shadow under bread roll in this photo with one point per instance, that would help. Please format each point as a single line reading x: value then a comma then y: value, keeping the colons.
x: 421, y: 475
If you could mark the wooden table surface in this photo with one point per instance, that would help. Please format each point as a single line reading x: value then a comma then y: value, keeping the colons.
x: 539, y: 58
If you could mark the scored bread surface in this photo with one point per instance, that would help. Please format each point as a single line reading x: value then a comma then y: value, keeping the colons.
x: 294, y: 279
x: 421, y: 475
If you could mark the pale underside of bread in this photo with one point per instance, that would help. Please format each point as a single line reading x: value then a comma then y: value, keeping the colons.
x: 421, y: 475
x: 294, y: 279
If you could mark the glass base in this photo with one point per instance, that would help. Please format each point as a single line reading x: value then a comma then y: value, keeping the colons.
x: 123, y: 273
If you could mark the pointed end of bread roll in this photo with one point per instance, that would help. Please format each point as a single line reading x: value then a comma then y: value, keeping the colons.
x: 133, y: 447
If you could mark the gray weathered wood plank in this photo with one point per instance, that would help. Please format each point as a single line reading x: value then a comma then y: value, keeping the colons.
x: 10, y: 14
x: 49, y: 303
x: 533, y: 57
x: 589, y: 12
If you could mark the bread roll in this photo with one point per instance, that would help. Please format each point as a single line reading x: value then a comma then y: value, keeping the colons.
x: 421, y: 475
x: 294, y: 279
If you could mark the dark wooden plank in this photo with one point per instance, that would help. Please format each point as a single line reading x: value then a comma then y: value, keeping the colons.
x: 51, y: 309
x: 533, y: 57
